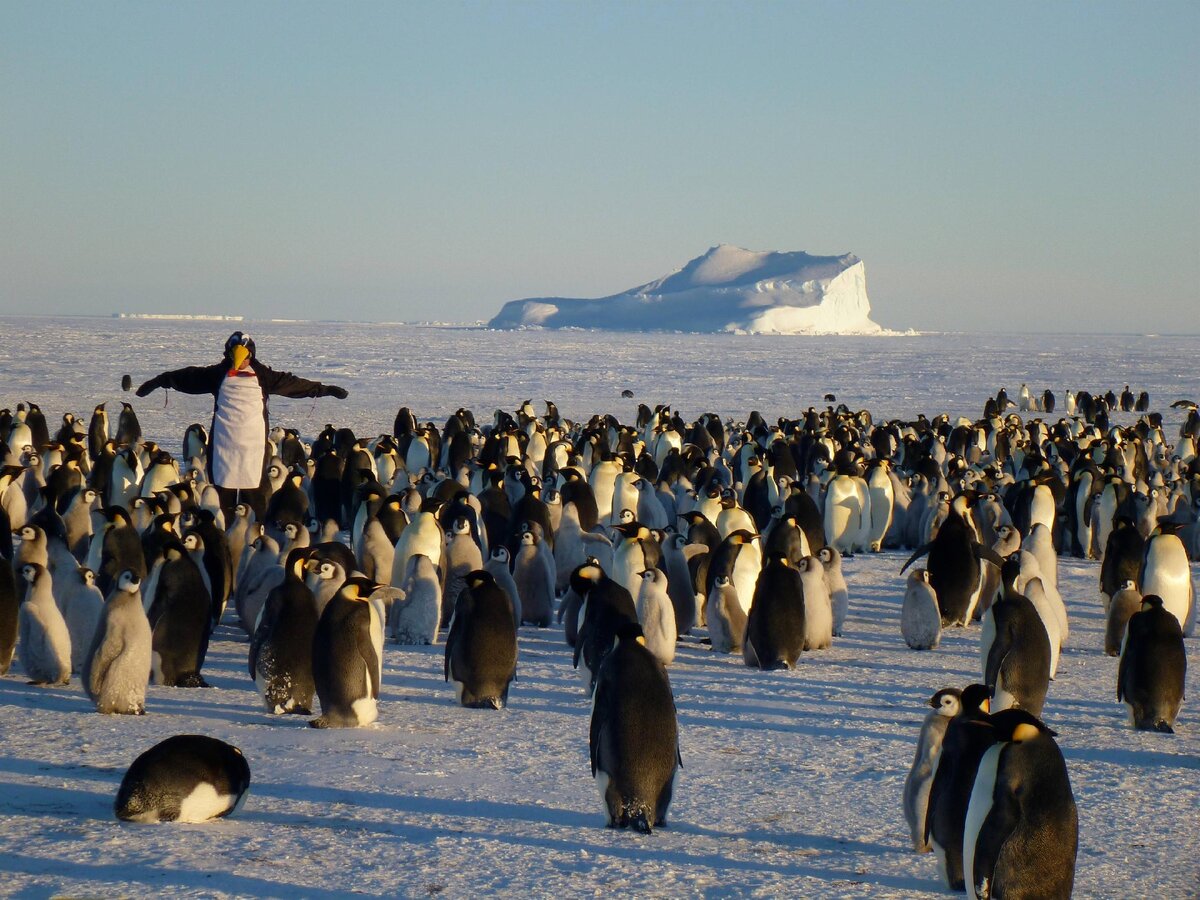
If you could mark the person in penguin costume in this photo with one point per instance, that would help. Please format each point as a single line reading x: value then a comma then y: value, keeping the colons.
x: 240, y: 385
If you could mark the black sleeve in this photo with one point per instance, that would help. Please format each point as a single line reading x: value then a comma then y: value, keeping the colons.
x: 191, y: 380
x: 285, y: 384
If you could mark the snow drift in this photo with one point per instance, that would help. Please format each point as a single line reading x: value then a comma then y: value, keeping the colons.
x: 725, y: 289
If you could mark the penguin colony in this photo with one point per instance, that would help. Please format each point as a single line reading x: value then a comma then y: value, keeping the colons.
x: 633, y: 536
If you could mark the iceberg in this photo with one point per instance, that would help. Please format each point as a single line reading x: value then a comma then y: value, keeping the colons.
x: 727, y: 289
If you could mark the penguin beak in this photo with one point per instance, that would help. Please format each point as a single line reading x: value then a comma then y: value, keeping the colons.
x: 986, y: 706
x: 239, y: 354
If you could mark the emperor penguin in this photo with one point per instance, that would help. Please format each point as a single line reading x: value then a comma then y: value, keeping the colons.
x: 180, y: 617
x: 44, y: 643
x: 920, y: 621
x: 116, y: 669
x: 775, y: 627
x: 324, y: 578
x: 481, y: 646
x: 498, y: 566
x: 679, y: 583
x: 739, y: 558
x: 1022, y: 829
x: 946, y: 703
x: 656, y: 615
x: 347, y: 658
x: 422, y: 535
x: 835, y: 585
x: 726, y: 618
x: 1015, y: 650
x: 82, y: 606
x: 607, y: 605
x: 818, y: 610
x: 533, y: 573
x: 281, y: 648
x: 1166, y: 572
x: 187, y: 778
x: 1125, y: 602
x: 967, y: 738
x: 10, y: 602
x: 78, y: 521
x: 882, y: 503
x: 463, y: 556
x: 1124, y: 551
x: 1153, y: 666
x: 634, y: 735
x: 847, y: 518
x: 415, y: 619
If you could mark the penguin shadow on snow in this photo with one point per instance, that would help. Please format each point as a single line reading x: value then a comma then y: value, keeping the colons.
x: 157, y: 880
x: 615, y: 843
x: 67, y: 698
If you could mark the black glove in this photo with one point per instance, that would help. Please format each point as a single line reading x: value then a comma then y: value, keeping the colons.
x: 339, y: 392
x: 147, y: 387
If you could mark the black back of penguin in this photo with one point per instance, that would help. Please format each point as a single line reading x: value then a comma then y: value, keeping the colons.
x: 607, y: 606
x: 1018, y: 662
x: 775, y: 625
x: 1150, y: 677
x: 181, y: 619
x: 10, y: 602
x: 186, y: 778
x: 634, y: 735
x: 1027, y: 842
x: 481, y: 647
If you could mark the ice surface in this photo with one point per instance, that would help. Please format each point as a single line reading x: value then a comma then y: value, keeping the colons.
x: 726, y: 289
x: 791, y: 783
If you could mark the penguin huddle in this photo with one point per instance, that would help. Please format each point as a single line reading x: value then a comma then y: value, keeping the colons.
x: 633, y: 535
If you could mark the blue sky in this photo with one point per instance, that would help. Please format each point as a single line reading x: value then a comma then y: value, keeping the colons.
x: 1015, y: 166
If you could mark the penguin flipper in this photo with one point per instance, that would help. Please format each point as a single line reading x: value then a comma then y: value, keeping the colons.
x: 987, y: 553
x: 996, y: 654
x: 366, y: 650
x: 600, y: 714
x: 917, y: 554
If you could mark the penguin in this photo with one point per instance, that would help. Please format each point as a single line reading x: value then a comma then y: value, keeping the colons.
x: 725, y: 616
x: 259, y: 573
x: 967, y: 738
x: 10, y: 603
x: 818, y: 611
x: 1021, y: 834
x: 679, y: 583
x: 414, y: 620
x: 116, y: 669
x: 606, y: 606
x: 498, y: 567
x: 847, y: 517
x: 835, y: 585
x: 1124, y: 550
x: 882, y: 505
x: 44, y: 643
x: 1153, y: 667
x: 1166, y: 572
x: 82, y: 606
x: 422, y: 535
x: 463, y: 556
x: 348, y: 658
x: 739, y: 559
x: 325, y: 578
x: 920, y: 621
x: 481, y: 646
x: 281, y: 656
x: 181, y: 620
x: 634, y: 735
x: 656, y: 615
x: 533, y: 572
x: 946, y: 703
x: 775, y: 627
x: 77, y: 520
x: 1125, y: 602
x: 1016, y: 659
x: 34, y: 547
x: 186, y: 778
x: 129, y: 431
x: 953, y: 565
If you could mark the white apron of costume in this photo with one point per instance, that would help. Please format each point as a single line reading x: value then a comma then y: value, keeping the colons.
x: 239, y: 435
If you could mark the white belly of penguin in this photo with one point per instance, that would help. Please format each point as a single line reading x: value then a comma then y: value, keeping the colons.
x: 982, y: 795
x: 203, y: 803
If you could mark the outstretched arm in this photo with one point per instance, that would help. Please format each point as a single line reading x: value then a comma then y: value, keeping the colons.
x: 188, y: 380
x: 285, y: 384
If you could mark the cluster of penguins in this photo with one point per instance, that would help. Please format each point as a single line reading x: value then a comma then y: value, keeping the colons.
x: 631, y: 535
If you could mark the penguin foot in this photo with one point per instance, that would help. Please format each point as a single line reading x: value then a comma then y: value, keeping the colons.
x: 318, y: 722
x: 1162, y: 726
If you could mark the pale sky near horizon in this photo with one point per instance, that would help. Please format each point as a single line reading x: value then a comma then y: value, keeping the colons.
x: 1011, y: 166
